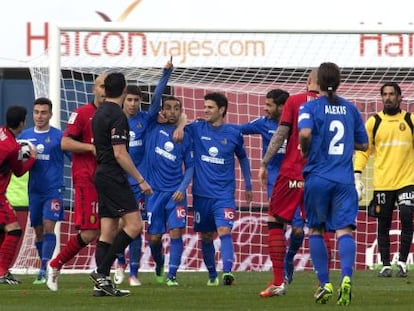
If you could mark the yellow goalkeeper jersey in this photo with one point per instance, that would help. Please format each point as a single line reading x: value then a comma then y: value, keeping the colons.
x: 393, y: 151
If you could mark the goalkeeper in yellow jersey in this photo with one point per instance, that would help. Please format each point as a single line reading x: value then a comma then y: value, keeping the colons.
x: 391, y: 143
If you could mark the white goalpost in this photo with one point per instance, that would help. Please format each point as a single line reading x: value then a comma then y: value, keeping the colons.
x: 242, y: 64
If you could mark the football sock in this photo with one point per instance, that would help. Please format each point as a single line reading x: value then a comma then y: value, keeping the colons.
x: 8, y: 249
x: 346, y: 249
x: 74, y: 245
x: 384, y: 226
x: 39, y: 247
x: 328, y: 246
x: 294, y: 245
x: 49, y: 244
x: 101, y: 251
x: 319, y: 255
x: 135, y: 255
x: 176, y: 250
x: 277, y: 250
x: 227, y: 252
x: 209, y: 252
x: 157, y: 256
x: 121, y: 258
x: 121, y: 241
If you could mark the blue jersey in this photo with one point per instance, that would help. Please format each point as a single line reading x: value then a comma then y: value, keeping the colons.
x: 214, y: 168
x: 336, y: 128
x: 139, y: 123
x: 266, y: 127
x: 46, y: 175
x: 164, y: 158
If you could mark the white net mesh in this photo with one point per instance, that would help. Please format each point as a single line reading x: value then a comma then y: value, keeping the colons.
x: 243, y: 66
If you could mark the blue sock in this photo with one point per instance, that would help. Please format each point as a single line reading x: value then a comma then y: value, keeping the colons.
x: 49, y: 244
x: 121, y: 259
x: 319, y: 255
x: 294, y: 245
x: 209, y: 253
x: 227, y: 252
x: 135, y: 255
x: 157, y: 256
x: 39, y: 246
x: 176, y: 250
x: 347, y: 250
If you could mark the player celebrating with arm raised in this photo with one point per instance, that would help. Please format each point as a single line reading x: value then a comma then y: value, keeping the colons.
x: 167, y: 206
x: 215, y: 144
x: 138, y: 121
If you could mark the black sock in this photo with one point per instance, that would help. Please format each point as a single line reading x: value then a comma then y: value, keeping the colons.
x: 121, y: 241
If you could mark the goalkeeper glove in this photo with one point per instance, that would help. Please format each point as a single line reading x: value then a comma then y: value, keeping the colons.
x: 359, y: 185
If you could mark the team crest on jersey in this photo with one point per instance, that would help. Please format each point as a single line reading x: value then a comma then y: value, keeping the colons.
x: 224, y: 141
x: 139, y: 125
x: 72, y: 117
x: 92, y: 219
x: 402, y: 127
x: 47, y: 140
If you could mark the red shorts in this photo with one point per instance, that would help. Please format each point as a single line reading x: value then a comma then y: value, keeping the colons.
x: 287, y: 195
x: 7, y: 213
x: 86, y: 207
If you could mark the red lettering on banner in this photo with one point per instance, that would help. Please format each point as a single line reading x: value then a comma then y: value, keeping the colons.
x: 390, y: 45
x: 42, y: 37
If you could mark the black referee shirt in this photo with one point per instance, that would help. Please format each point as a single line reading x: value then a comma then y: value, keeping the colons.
x: 110, y: 127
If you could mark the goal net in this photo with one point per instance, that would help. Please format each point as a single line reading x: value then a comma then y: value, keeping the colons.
x: 244, y: 66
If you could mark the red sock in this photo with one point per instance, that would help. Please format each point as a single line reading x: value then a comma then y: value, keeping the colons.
x: 67, y: 253
x: 277, y: 250
x: 7, y: 251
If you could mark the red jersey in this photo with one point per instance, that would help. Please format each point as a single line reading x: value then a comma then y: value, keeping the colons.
x: 292, y: 164
x: 10, y: 159
x: 79, y: 128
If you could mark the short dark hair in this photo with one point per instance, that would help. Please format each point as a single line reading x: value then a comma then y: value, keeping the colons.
x: 15, y: 115
x: 114, y: 84
x: 279, y: 96
x: 134, y: 90
x: 219, y: 99
x: 394, y: 85
x: 170, y: 97
x: 43, y: 101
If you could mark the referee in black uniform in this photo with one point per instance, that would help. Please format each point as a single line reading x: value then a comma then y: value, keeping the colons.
x: 116, y: 199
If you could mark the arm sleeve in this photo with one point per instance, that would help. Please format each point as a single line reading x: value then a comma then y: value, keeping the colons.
x: 156, y: 99
x: 245, y: 168
x: 186, y: 180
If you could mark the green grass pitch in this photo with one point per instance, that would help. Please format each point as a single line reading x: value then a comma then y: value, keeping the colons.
x: 75, y: 293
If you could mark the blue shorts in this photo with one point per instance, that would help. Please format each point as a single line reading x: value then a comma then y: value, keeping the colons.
x: 48, y: 207
x: 165, y: 214
x: 140, y: 199
x: 330, y: 204
x: 209, y: 214
x: 297, y: 220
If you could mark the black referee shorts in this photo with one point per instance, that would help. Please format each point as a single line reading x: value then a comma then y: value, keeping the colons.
x: 115, y: 195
